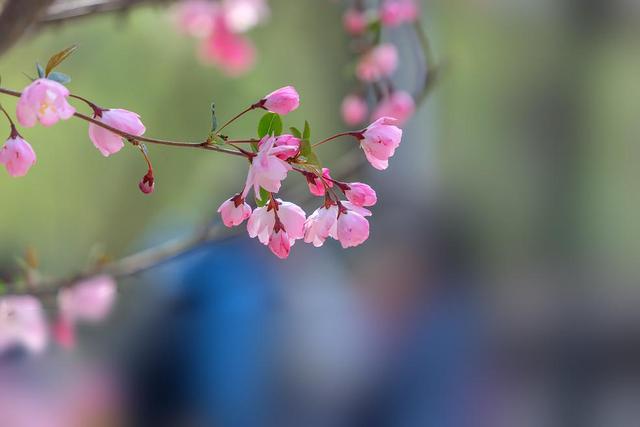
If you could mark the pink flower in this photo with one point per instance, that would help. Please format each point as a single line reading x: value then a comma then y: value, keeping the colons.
x: 278, y: 228
x: 379, y: 62
x: 291, y: 142
x: 281, y: 101
x: 280, y: 244
x: 380, y: 140
x: 89, y: 300
x: 316, y: 185
x: 147, y: 183
x: 267, y: 170
x: 22, y: 322
x: 396, y: 12
x: 234, y: 211
x: 108, y: 142
x: 242, y: 15
x: 320, y: 225
x: 354, y: 21
x: 46, y: 101
x: 17, y: 155
x: 360, y: 194
x: 400, y: 105
x: 353, y: 109
x: 195, y: 18
x: 234, y: 54
x: 352, y: 228
x: 64, y: 332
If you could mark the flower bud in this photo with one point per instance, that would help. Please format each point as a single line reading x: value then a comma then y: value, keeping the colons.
x: 147, y: 183
x: 17, y: 155
x: 281, y: 101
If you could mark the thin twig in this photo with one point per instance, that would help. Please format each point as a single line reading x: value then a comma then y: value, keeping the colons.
x: 205, y: 145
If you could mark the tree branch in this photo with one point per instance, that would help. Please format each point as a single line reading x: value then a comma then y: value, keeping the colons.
x: 17, y: 17
x: 72, y: 9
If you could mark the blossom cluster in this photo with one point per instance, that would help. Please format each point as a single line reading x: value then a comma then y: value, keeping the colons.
x: 220, y: 27
x: 278, y: 223
x: 377, y: 62
x: 341, y: 215
x: 23, y: 320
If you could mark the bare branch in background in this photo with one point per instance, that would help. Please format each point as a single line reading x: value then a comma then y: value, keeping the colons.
x: 62, y: 10
x: 17, y: 17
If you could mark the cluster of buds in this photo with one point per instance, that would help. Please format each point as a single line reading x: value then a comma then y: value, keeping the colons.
x: 377, y: 62
x: 342, y: 215
x: 220, y: 27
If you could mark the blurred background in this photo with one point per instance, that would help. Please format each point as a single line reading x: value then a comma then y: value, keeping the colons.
x: 500, y: 283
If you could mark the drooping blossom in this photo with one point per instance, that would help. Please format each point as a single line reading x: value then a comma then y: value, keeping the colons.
x: 17, y: 155
x: 195, y: 18
x: 379, y: 62
x: 267, y: 170
x: 345, y: 223
x: 279, y: 227
x: 354, y: 110
x: 45, y: 101
x: 280, y: 243
x: 352, y: 228
x: 88, y: 300
x: 148, y: 183
x: 397, y: 12
x: 281, y: 101
x: 234, y: 211
x: 380, y: 140
x: 22, y: 323
x: 233, y: 53
x: 317, y: 185
x: 400, y: 105
x: 108, y: 142
x: 354, y: 21
x: 242, y: 15
x: 360, y: 194
x: 320, y: 225
x: 291, y: 142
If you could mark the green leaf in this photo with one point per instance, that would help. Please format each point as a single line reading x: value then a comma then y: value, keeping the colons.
x: 214, y: 120
x: 57, y: 58
x: 59, y: 77
x: 270, y: 124
x: 307, y: 131
x: 3, y: 288
x: 264, y: 197
x: 39, y: 70
x: 296, y: 132
x: 305, y: 148
x: 307, y: 155
x: 376, y: 29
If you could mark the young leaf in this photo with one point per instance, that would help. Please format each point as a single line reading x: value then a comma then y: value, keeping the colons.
x: 214, y: 120
x: 305, y: 148
x: 40, y: 70
x: 57, y: 58
x: 312, y: 159
x: 307, y: 131
x: 296, y: 132
x: 307, y: 155
x: 270, y: 124
x: 59, y: 77
x: 264, y: 197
